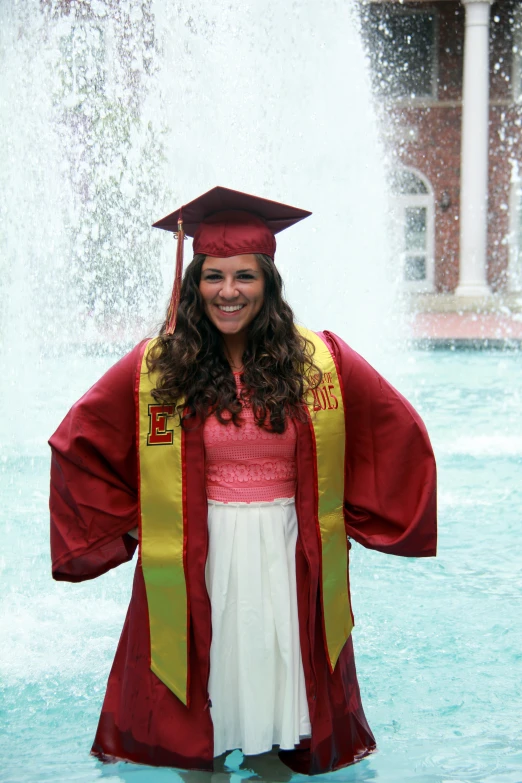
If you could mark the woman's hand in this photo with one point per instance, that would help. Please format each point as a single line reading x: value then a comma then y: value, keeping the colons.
x: 134, y: 533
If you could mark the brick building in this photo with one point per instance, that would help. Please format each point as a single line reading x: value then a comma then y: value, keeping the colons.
x: 448, y: 78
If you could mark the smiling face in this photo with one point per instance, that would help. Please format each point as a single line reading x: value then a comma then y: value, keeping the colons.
x: 233, y: 291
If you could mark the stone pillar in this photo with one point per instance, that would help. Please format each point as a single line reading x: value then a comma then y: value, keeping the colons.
x: 474, y: 155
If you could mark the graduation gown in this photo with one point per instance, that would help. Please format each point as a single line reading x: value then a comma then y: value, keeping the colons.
x: 389, y: 505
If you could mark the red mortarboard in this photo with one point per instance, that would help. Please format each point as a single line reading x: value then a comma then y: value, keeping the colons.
x: 226, y: 223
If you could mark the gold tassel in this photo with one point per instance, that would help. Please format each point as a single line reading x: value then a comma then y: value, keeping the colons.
x: 176, y: 289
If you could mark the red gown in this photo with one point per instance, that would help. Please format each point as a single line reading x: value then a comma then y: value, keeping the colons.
x: 390, y: 505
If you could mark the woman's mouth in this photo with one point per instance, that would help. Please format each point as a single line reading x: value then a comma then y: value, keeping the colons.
x: 230, y: 308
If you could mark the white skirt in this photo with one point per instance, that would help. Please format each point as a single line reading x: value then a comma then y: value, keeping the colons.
x: 256, y: 684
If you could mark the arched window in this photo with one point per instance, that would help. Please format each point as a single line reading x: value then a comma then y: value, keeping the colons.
x: 413, y: 211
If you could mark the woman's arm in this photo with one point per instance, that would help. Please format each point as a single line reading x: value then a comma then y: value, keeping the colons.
x: 93, y: 500
x: 390, y: 483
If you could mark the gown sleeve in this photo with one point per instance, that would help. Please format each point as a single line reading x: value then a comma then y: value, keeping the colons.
x: 93, y: 500
x: 390, y: 483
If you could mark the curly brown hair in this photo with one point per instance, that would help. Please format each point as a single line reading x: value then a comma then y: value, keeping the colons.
x: 193, y: 372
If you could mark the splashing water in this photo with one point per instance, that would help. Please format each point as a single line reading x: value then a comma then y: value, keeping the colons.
x: 116, y: 112
x: 112, y: 113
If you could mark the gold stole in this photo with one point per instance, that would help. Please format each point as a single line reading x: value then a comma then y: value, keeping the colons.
x: 326, y: 409
x: 162, y: 535
x: 162, y: 520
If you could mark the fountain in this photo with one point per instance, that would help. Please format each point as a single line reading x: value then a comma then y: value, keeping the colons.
x: 113, y: 112
x: 139, y: 106
x: 116, y: 111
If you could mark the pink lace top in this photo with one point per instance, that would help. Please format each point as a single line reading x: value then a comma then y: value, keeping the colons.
x: 248, y: 464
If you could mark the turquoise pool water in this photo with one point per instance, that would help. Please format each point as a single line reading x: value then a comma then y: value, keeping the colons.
x: 438, y: 642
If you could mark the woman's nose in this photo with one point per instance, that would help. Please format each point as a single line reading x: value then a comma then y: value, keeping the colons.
x: 228, y: 289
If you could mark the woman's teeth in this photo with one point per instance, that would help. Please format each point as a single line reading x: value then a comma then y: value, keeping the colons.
x: 231, y: 308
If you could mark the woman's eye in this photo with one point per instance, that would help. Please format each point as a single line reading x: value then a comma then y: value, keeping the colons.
x: 213, y: 277
x: 245, y: 276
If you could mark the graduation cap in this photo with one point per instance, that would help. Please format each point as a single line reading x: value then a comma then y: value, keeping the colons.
x: 226, y: 223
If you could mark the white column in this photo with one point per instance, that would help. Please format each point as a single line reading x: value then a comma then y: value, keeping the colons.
x: 474, y: 155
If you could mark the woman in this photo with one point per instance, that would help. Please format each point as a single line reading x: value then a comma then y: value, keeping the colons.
x: 242, y: 452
